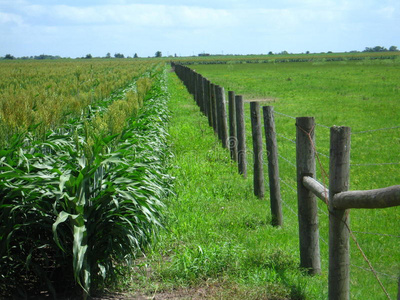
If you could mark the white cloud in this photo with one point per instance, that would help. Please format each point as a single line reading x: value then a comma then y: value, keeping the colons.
x: 236, y: 26
x: 202, y: 17
x: 145, y: 15
x: 11, y: 18
x: 387, y: 12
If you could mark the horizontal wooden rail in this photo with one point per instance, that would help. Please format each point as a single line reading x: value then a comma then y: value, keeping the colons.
x: 317, y: 188
x: 379, y: 198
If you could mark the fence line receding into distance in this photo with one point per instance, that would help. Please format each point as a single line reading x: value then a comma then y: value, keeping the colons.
x: 338, y: 200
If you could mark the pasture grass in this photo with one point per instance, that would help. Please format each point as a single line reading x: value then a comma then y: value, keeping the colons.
x: 363, y: 95
x: 218, y: 233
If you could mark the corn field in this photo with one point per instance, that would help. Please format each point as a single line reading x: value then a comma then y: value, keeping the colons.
x: 83, y: 172
x: 47, y: 94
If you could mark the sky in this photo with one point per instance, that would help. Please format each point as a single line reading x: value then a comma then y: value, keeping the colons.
x: 185, y: 27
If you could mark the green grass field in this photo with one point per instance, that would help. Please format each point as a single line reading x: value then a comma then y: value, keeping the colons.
x: 218, y: 242
x: 220, y: 234
x: 363, y: 95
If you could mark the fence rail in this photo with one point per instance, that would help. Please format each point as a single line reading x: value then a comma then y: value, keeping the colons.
x: 211, y: 100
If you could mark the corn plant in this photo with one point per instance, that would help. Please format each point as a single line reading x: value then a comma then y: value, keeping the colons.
x: 71, y: 209
x: 49, y: 93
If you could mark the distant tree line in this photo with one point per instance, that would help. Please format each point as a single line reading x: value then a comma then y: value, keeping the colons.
x: 159, y: 54
x: 41, y: 56
x: 88, y: 56
x: 380, y: 49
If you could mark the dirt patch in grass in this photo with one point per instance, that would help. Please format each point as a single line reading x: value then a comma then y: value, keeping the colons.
x: 211, y: 292
x: 182, y: 293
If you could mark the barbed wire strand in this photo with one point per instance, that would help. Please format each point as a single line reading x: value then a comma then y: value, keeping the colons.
x: 323, y: 240
x: 288, y: 185
x: 287, y: 160
x: 372, y: 270
x: 357, y: 132
x: 367, y: 260
x: 374, y: 130
x: 291, y: 117
x: 376, y: 233
x: 324, y: 175
x: 322, y: 154
x: 323, y: 126
x: 375, y: 164
x: 381, y: 273
x: 324, y: 212
x: 286, y: 138
x: 285, y: 115
x: 346, y: 225
x: 286, y: 204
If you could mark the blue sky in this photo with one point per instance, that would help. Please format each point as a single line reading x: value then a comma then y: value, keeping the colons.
x: 79, y: 27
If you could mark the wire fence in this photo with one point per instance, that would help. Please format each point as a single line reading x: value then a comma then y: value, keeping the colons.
x: 287, y: 159
x: 282, y: 138
x: 323, y: 211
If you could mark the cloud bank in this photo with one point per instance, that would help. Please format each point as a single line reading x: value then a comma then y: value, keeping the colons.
x: 75, y: 28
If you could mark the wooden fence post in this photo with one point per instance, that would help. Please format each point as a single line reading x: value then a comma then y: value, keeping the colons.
x: 205, y: 97
x: 214, y: 109
x: 232, y: 126
x: 222, y: 122
x: 258, y: 176
x: 196, y: 88
x: 273, y: 166
x: 200, y: 92
x: 218, y: 109
x: 398, y: 290
x: 339, y: 222
x: 194, y: 85
x: 241, y: 136
x: 190, y: 81
x: 307, y: 201
x: 208, y: 102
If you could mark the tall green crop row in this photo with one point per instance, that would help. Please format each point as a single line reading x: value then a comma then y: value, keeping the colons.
x: 83, y: 200
x: 47, y: 94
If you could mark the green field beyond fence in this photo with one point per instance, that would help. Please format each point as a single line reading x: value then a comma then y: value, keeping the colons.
x: 363, y: 95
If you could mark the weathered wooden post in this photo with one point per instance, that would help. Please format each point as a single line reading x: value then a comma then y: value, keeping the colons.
x: 398, y: 290
x: 208, y: 102
x: 307, y: 201
x: 205, y: 97
x: 194, y: 85
x: 218, y: 109
x: 191, y: 86
x: 241, y: 136
x: 232, y: 126
x: 196, y: 88
x: 200, y: 92
x: 222, y: 122
x: 188, y: 79
x: 258, y: 161
x: 214, y: 109
x: 339, y: 222
x: 273, y: 166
